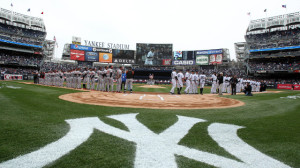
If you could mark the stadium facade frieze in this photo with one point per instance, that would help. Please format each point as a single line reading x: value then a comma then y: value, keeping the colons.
x: 107, y: 45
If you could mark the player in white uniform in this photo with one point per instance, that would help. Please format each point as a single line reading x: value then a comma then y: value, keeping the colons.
x: 187, y: 81
x: 174, y: 80
x: 228, y: 88
x: 149, y: 57
x: 119, y: 79
x: 193, y: 82
x: 214, y: 84
x: 179, y: 81
x: 197, y: 79
x: 202, y: 82
x: 239, y: 85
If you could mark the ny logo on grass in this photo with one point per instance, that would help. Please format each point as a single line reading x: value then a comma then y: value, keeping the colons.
x: 153, y: 150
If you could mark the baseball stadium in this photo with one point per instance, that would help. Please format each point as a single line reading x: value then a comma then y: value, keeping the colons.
x: 110, y: 106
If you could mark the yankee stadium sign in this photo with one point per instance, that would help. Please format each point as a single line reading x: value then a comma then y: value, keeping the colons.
x: 153, y: 150
x: 106, y: 45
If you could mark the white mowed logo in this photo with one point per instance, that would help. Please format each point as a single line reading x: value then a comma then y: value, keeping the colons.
x: 153, y: 150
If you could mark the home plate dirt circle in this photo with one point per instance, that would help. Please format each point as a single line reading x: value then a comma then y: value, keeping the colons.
x: 152, y: 101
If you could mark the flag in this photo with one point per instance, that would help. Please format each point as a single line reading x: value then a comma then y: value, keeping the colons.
x: 284, y: 6
x: 54, y: 38
x: 265, y: 10
x: 249, y: 13
x: 42, y: 13
x: 11, y: 5
x: 28, y: 10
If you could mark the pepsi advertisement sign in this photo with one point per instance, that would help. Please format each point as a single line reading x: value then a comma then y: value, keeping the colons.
x: 80, y: 47
x: 92, y: 56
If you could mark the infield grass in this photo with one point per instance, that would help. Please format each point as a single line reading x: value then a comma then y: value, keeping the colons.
x: 33, y: 116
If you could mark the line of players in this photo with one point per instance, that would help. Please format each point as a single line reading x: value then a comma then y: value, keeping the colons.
x: 92, y: 79
x: 193, y: 80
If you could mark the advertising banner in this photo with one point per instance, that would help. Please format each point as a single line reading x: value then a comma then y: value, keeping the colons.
x: 215, y: 59
x: 23, y: 44
x: 13, y: 77
x: 209, y: 52
x: 183, y: 62
x: 105, y: 57
x: 77, y: 55
x: 80, y: 47
x: 167, y: 61
x: 91, y: 56
x: 123, y: 61
x: 202, y: 60
x: 288, y: 86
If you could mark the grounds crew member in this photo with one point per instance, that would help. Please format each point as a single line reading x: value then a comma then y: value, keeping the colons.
x: 129, y: 80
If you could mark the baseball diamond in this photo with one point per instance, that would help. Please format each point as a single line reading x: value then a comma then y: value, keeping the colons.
x: 149, y: 84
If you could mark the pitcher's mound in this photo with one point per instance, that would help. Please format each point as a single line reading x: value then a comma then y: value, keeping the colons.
x: 153, y: 101
x: 152, y: 86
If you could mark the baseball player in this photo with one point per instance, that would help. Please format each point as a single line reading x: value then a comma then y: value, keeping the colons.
x: 221, y: 80
x: 79, y: 78
x: 202, y: 77
x: 197, y: 79
x: 111, y: 78
x: 92, y: 76
x: 149, y: 57
x: 214, y: 84
x: 180, y: 77
x: 100, y: 79
x: 119, y: 79
x: 187, y: 81
x: 105, y: 78
x: 84, y: 78
x: 192, y: 82
x: 174, y: 80
x: 129, y: 79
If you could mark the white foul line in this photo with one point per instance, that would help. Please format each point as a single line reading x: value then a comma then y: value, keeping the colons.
x: 161, y: 97
x: 141, y: 97
x: 125, y: 94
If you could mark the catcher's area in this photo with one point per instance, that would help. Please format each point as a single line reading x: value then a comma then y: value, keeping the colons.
x: 152, y: 100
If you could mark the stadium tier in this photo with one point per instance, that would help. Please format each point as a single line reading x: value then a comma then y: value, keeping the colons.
x: 273, y: 46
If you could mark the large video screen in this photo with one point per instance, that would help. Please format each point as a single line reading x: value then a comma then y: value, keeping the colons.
x: 205, y: 57
x: 184, y: 55
x: 154, y: 54
x: 123, y: 56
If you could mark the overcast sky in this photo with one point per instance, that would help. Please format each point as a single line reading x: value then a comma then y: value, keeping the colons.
x: 187, y: 24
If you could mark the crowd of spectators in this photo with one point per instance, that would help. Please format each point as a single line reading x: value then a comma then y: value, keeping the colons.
x: 20, y: 60
x: 273, y: 66
x: 22, y: 35
x: 274, y: 39
x: 17, y: 71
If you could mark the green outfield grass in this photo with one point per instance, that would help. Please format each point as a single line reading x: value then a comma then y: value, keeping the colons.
x: 33, y: 116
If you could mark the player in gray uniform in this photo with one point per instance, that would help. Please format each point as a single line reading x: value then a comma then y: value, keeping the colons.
x: 202, y: 81
x: 88, y: 79
x: 61, y: 79
x: 180, y: 77
x: 79, y: 78
x: 105, y: 78
x: 84, y: 78
x: 100, y: 78
x: 119, y: 79
x: 111, y: 77
x: 174, y: 80
x: 187, y: 81
x: 92, y: 76
x: 108, y: 79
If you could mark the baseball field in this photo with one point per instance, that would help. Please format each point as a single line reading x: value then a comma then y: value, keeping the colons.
x: 43, y: 126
